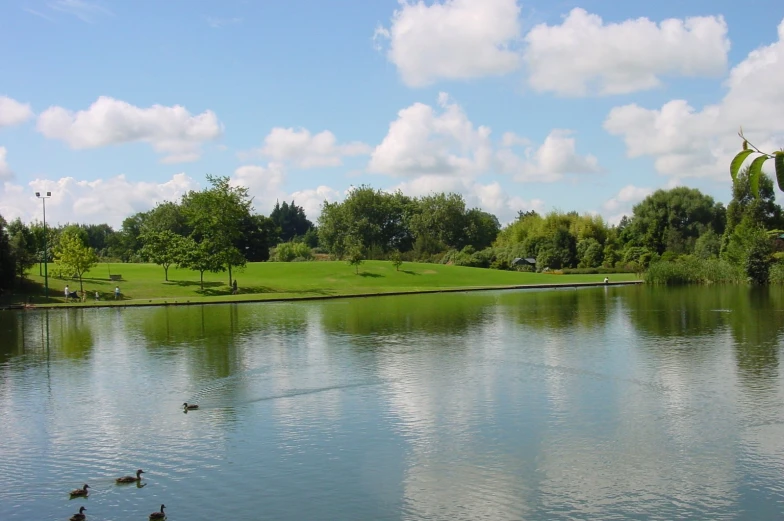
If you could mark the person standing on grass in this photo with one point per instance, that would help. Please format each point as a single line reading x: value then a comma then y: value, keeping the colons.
x: 67, y: 292
x: 116, y: 292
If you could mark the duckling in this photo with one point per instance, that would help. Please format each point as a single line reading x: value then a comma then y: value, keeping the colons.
x: 158, y: 515
x: 130, y: 479
x: 80, y: 516
x: 80, y: 492
x: 189, y: 407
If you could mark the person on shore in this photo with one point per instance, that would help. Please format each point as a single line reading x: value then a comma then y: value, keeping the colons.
x: 97, y: 296
x: 606, y: 280
x: 67, y: 292
x: 234, y: 287
x: 116, y: 292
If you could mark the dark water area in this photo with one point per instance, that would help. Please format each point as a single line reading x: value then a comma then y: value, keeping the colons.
x: 603, y: 403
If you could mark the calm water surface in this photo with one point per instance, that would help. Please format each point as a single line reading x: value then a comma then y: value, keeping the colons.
x: 606, y: 403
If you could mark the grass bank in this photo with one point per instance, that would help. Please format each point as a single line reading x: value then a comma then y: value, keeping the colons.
x: 143, y: 284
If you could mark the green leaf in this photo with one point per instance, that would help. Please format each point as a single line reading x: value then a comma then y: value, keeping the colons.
x: 737, y: 162
x: 779, y: 162
x: 755, y: 171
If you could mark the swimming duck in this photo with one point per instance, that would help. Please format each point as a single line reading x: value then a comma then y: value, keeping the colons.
x: 130, y: 479
x: 80, y: 516
x: 189, y: 407
x: 80, y: 492
x: 158, y: 515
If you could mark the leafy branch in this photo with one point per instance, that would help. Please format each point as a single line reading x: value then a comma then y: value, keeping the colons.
x: 755, y: 169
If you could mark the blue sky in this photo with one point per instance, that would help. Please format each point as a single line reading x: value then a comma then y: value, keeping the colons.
x: 588, y: 106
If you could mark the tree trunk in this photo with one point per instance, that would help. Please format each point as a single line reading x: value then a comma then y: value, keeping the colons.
x: 166, y: 272
x: 229, y: 275
x: 201, y: 274
x: 81, y: 286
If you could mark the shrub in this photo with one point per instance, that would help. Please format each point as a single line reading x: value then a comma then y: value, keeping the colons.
x: 690, y: 270
x: 289, y: 251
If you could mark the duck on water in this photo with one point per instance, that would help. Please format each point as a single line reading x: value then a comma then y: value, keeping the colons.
x: 80, y: 516
x: 189, y: 406
x: 158, y: 515
x: 80, y: 492
x: 130, y: 479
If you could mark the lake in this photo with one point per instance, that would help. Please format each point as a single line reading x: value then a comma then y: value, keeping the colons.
x: 601, y: 403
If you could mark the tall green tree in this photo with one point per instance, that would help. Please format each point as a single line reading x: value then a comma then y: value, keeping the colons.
x: 162, y: 248
x: 23, y: 247
x: 7, y: 265
x: 290, y: 220
x: 671, y: 220
x: 199, y: 256
x: 214, y: 215
x: 74, y: 255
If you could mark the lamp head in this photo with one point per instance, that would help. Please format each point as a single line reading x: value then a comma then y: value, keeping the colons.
x: 38, y: 194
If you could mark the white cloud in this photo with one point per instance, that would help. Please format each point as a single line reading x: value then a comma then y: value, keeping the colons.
x: 85, y: 11
x: 5, y: 171
x: 311, y: 200
x: 554, y: 159
x: 628, y: 196
x: 100, y: 201
x: 217, y: 23
x: 422, y: 141
x: 13, y: 112
x: 453, y: 39
x: 686, y: 142
x: 264, y: 183
x: 584, y: 55
x: 172, y: 131
x: 307, y: 150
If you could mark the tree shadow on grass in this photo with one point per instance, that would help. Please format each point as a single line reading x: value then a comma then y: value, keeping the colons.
x: 372, y: 275
x: 266, y: 289
x: 187, y: 283
x: 409, y: 272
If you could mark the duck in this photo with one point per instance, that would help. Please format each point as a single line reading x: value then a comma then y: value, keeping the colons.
x: 130, y: 479
x: 158, y: 515
x: 189, y: 407
x: 80, y: 516
x: 80, y: 492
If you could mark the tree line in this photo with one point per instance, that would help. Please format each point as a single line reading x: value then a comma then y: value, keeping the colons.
x: 217, y: 230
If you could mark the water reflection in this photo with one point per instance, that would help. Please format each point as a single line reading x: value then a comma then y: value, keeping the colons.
x: 608, y: 403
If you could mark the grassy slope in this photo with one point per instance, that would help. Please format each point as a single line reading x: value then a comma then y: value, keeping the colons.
x: 143, y: 283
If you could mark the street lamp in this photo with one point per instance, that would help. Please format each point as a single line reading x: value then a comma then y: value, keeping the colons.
x: 43, y: 199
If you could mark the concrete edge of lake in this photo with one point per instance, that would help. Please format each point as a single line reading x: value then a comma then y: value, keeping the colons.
x: 167, y: 301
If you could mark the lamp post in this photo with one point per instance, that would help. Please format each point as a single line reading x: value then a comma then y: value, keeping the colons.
x: 43, y: 199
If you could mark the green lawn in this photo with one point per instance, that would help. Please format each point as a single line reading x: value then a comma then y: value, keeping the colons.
x: 144, y: 283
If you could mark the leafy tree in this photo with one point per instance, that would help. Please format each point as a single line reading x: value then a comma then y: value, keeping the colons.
x: 589, y: 253
x: 74, y: 255
x: 481, y: 228
x: 258, y: 234
x: 441, y: 217
x: 291, y: 221
x: 708, y: 245
x: 760, y: 208
x: 7, y: 265
x: 750, y: 248
x: 23, y: 246
x: 213, y: 214
x: 396, y: 259
x: 673, y: 219
x: 162, y: 248
x: 355, y: 256
x: 99, y: 237
x: 128, y: 244
x: 199, y: 256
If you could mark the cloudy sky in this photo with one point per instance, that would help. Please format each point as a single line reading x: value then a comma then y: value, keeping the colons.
x: 114, y: 105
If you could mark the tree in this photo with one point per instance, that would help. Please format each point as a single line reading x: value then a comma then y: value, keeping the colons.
x: 162, y: 248
x: 589, y: 253
x: 199, y: 256
x: 214, y: 214
x: 74, y: 255
x: 708, y: 245
x: 355, y: 256
x: 258, y: 234
x: 23, y: 247
x: 397, y: 261
x: 7, y: 266
x: 291, y: 221
x: 750, y: 248
x: 671, y: 220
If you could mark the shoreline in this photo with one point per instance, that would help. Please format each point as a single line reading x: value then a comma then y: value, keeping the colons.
x: 165, y: 301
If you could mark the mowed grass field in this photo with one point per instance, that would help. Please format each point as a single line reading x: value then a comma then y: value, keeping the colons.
x: 145, y: 284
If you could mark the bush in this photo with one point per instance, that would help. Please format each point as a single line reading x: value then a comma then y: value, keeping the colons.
x: 601, y: 270
x: 690, y: 270
x: 290, y: 251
